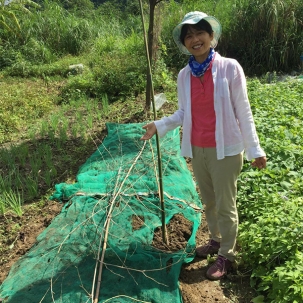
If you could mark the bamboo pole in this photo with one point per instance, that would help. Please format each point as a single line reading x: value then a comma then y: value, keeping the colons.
x: 161, y: 191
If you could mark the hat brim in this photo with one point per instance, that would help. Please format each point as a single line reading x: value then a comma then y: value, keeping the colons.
x: 214, y: 23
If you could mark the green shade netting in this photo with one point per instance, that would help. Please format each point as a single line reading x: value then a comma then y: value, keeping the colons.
x: 117, y: 184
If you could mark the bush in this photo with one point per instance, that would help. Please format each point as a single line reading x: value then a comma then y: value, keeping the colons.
x: 36, y: 52
x: 117, y: 68
x: 120, y: 76
x: 8, y: 56
x: 112, y: 74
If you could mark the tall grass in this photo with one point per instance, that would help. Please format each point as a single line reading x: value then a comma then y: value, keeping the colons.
x: 53, y: 32
x: 264, y: 36
x: 268, y: 35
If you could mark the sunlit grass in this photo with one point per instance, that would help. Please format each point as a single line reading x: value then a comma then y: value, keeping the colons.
x: 11, y: 201
x: 22, y: 102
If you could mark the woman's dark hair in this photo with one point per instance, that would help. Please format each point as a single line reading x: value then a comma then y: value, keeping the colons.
x: 201, y: 25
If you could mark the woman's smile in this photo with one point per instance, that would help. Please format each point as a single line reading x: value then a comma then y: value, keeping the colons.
x: 198, y: 43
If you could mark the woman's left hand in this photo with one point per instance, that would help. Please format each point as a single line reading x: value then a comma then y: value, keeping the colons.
x: 259, y: 162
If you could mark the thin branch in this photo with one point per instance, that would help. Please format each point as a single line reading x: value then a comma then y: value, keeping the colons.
x: 126, y: 297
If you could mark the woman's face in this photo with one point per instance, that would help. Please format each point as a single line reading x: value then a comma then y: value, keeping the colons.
x: 198, y: 43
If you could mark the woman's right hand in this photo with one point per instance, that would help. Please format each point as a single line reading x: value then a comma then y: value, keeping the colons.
x: 150, y: 131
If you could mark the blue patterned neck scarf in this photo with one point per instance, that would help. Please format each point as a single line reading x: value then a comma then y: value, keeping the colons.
x: 198, y: 69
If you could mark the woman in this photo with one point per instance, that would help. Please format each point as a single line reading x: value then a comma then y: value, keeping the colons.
x: 218, y: 125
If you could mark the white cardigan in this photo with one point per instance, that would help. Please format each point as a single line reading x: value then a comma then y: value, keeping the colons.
x: 235, y: 127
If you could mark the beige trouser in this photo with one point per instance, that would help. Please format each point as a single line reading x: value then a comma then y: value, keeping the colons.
x: 217, y: 180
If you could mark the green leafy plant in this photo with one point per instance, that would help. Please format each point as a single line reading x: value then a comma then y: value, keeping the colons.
x: 287, y: 280
x: 270, y: 201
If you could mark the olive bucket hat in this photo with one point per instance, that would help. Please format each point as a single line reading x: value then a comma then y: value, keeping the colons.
x: 194, y: 18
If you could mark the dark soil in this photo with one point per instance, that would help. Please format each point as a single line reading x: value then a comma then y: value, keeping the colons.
x: 178, y: 233
x: 18, y: 234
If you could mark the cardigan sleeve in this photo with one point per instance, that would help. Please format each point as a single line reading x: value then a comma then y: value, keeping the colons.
x: 243, y: 113
x: 169, y: 123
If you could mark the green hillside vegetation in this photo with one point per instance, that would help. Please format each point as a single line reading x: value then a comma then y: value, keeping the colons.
x: 52, y: 117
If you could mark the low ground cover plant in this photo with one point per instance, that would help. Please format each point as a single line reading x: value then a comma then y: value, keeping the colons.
x: 270, y: 202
